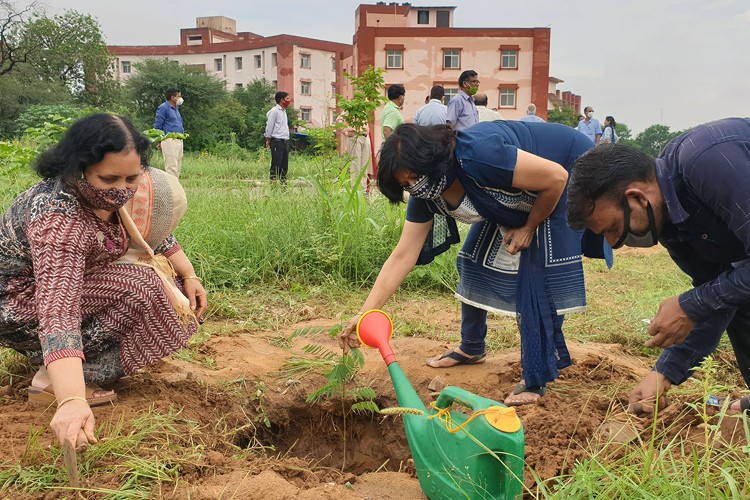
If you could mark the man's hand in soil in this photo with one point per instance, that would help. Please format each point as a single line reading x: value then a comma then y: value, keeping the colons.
x: 653, y: 386
x: 670, y: 326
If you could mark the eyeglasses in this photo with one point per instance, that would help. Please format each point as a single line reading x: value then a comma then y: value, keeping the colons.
x: 475, y: 82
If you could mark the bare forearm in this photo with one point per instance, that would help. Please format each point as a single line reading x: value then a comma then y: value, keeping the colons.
x: 392, y: 274
x: 181, y: 264
x: 66, y: 375
x: 545, y: 204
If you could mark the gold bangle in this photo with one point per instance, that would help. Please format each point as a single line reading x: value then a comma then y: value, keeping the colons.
x: 193, y: 277
x: 71, y: 398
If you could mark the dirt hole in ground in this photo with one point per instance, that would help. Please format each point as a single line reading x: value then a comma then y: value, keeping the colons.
x: 319, y: 434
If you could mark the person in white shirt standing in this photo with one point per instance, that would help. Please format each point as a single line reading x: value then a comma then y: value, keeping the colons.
x: 485, y: 114
x: 434, y: 112
x: 277, y: 136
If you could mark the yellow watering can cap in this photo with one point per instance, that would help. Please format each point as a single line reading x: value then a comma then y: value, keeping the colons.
x: 503, y: 418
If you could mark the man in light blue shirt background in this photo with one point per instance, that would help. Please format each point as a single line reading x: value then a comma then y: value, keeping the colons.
x: 434, y: 112
x: 531, y: 115
x: 462, y: 112
x: 590, y: 126
x: 277, y: 136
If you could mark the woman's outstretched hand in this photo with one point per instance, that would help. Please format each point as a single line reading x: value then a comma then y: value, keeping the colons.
x: 348, y: 337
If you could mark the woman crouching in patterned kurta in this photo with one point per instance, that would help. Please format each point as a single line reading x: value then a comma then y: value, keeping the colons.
x: 71, y: 298
x: 508, y: 180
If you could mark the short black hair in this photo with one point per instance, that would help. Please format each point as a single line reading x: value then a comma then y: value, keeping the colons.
x: 85, y: 144
x: 395, y: 91
x: 437, y: 92
x: 171, y: 92
x: 280, y: 95
x: 469, y: 73
x: 422, y: 150
x: 604, y: 172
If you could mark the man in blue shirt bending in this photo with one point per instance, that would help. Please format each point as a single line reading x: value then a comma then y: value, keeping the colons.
x: 168, y: 119
x: 694, y: 199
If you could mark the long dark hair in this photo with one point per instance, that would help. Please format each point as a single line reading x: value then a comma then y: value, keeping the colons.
x: 411, y: 147
x: 85, y: 144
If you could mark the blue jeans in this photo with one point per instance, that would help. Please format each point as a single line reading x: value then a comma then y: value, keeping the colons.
x: 473, y: 329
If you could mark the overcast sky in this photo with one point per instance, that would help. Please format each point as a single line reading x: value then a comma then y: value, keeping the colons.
x: 676, y: 62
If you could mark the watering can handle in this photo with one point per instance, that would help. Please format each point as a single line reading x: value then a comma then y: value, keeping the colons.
x: 452, y: 394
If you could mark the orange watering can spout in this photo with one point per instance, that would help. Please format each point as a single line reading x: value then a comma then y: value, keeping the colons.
x: 374, y: 330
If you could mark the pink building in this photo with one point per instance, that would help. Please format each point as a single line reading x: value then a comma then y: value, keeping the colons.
x: 419, y: 48
x: 304, y: 67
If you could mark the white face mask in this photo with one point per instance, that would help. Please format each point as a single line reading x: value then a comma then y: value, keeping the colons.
x: 590, y: 114
x: 180, y: 101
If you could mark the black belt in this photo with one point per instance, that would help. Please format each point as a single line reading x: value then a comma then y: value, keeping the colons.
x: 275, y: 139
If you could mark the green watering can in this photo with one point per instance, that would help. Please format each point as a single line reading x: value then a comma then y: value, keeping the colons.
x: 457, y: 455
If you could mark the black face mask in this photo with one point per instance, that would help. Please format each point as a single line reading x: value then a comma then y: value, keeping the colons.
x: 631, y: 239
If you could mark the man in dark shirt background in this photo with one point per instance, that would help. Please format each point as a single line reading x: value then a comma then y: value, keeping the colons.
x: 694, y: 199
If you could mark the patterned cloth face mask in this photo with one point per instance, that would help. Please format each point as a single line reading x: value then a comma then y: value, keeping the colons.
x: 104, y: 199
x: 424, y: 190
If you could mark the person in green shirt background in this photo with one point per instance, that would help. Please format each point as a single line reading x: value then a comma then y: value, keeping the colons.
x: 391, y: 116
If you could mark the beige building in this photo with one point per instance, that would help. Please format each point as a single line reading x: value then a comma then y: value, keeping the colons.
x: 304, y: 67
x: 419, y: 47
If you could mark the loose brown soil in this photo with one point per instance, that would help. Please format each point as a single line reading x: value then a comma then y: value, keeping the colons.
x: 304, y: 445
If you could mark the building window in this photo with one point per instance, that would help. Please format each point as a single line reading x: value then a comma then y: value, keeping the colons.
x: 449, y: 94
x: 451, y: 59
x: 126, y: 66
x: 238, y: 85
x: 508, y: 98
x: 194, y: 39
x: 509, y: 59
x: 258, y: 61
x: 238, y: 63
x: 443, y: 19
x: 423, y: 17
x: 304, y: 114
x: 273, y: 59
x: 333, y: 64
x: 394, y: 59
x: 217, y: 64
x: 305, y: 87
x: 304, y: 61
x: 275, y: 84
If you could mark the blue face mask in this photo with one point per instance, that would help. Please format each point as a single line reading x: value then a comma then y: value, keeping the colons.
x: 631, y: 239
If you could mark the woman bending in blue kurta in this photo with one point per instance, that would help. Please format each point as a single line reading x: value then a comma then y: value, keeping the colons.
x: 508, y: 180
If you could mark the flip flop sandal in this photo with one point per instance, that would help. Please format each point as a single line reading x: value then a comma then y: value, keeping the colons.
x: 521, y: 388
x: 47, y: 397
x: 745, y: 404
x: 457, y: 356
